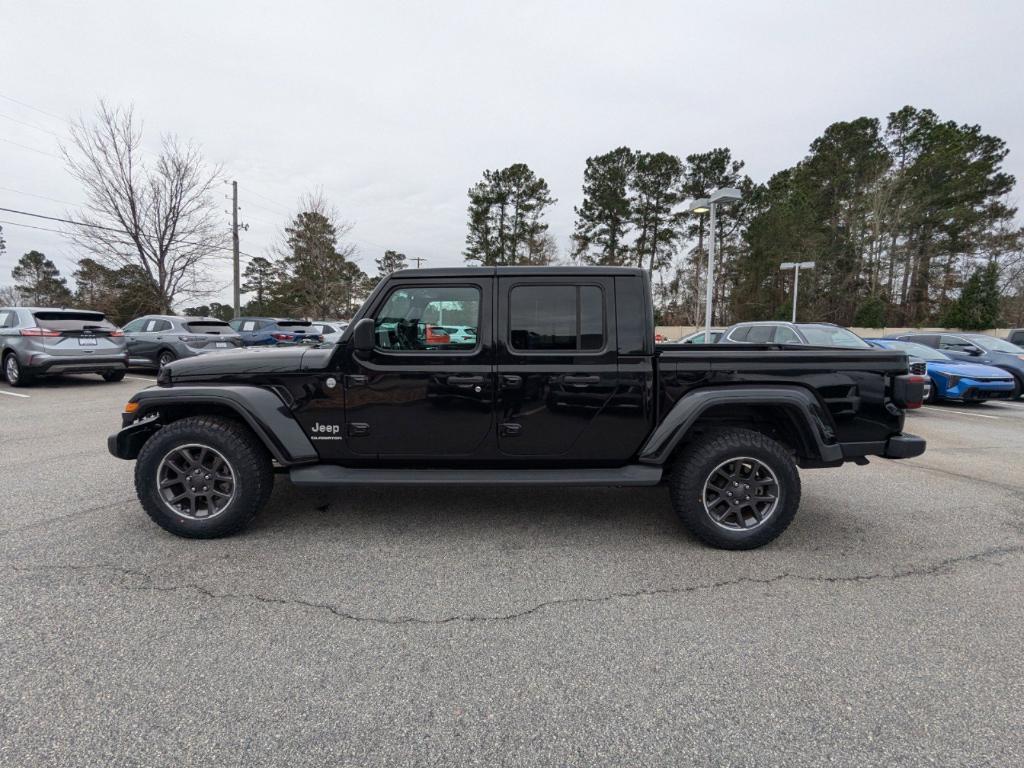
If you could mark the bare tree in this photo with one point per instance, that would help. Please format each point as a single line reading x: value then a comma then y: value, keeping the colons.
x: 158, y: 216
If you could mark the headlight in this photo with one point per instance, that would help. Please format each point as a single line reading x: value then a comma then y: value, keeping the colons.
x: 952, y: 379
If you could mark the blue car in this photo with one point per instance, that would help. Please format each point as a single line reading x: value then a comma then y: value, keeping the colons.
x: 956, y: 379
x: 273, y: 331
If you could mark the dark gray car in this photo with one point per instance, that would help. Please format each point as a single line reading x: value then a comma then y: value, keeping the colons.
x: 780, y: 332
x: 156, y: 340
x: 976, y: 348
x: 39, y: 341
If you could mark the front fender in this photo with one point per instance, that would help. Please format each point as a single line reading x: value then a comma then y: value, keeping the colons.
x: 799, y: 402
x: 262, y: 409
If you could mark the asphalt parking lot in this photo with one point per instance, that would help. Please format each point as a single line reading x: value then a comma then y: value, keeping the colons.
x: 498, y: 627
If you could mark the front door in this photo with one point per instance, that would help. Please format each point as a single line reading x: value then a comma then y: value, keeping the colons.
x: 426, y: 391
x: 557, y: 368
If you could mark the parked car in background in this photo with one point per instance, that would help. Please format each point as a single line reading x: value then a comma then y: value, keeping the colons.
x: 37, y: 341
x: 976, y: 348
x: 330, y: 330
x: 778, y: 332
x: 954, y: 379
x: 697, y: 337
x: 1016, y: 336
x: 153, y: 341
x: 274, y: 331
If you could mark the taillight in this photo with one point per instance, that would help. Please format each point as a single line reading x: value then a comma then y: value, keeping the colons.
x: 437, y: 336
x: 39, y: 332
x: 908, y: 391
x: 281, y: 336
x: 191, y: 339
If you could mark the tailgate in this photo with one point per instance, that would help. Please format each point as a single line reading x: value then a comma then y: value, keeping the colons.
x: 75, y: 332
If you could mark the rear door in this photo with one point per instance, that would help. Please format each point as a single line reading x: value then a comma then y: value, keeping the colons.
x: 557, y: 368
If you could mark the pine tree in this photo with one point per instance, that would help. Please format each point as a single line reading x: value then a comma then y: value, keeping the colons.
x: 603, y: 219
x: 506, y: 211
x: 39, y: 281
x: 261, y: 275
x: 656, y: 192
x: 391, y: 261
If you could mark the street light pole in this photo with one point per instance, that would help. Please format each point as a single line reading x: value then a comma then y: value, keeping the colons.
x: 796, y: 266
x: 710, y: 205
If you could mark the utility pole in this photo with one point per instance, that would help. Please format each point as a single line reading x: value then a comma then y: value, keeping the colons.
x: 234, y: 249
x: 418, y: 259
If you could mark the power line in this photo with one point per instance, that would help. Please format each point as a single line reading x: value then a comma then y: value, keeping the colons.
x: 30, y: 125
x: 36, y: 109
x: 31, y: 149
x: 41, y: 197
x: 97, y: 226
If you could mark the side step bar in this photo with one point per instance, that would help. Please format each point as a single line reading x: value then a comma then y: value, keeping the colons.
x: 332, y: 474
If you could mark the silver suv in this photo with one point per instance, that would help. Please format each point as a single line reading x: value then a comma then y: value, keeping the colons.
x: 156, y: 340
x: 36, y: 341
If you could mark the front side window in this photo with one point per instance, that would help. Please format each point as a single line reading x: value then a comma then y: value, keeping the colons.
x: 553, y: 318
x: 956, y: 343
x: 786, y: 335
x: 429, y: 319
x: 135, y: 325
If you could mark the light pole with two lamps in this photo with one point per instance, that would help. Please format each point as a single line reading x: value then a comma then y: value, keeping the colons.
x: 722, y: 196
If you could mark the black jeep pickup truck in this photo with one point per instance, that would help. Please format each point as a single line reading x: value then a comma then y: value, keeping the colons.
x: 514, y: 376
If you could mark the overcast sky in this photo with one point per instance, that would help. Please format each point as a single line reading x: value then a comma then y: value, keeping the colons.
x: 395, y: 109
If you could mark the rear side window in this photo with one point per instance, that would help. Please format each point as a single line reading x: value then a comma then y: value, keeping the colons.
x: 739, y: 334
x: 760, y: 334
x: 72, y: 321
x: 161, y: 325
x: 249, y: 325
x: 208, y: 326
x: 556, y: 318
x: 786, y: 335
x: 8, y: 318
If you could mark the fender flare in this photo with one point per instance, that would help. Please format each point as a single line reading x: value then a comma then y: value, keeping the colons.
x: 261, y: 409
x: 797, y: 401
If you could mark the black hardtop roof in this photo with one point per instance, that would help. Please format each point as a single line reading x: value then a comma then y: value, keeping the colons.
x: 515, y: 271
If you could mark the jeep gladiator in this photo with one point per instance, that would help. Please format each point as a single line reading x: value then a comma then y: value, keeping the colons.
x: 552, y: 378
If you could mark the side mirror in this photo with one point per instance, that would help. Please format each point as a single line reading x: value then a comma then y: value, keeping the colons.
x: 363, y: 335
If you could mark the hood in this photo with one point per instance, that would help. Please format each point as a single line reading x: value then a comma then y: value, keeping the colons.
x: 248, y: 361
x: 970, y: 370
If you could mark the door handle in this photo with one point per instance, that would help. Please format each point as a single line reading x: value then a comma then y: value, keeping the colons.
x: 511, y: 380
x: 464, y: 381
x: 580, y: 381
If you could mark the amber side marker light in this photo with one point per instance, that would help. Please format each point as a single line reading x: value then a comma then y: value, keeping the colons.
x: 131, y: 407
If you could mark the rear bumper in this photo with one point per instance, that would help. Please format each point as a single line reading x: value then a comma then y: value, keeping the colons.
x: 43, y: 364
x: 904, y: 447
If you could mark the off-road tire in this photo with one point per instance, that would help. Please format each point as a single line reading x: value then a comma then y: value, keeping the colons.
x: 699, y: 460
x: 249, y: 462
x: 113, y: 376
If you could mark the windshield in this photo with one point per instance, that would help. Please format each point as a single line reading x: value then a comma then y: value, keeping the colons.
x: 918, y: 350
x: 994, y: 344
x: 829, y: 336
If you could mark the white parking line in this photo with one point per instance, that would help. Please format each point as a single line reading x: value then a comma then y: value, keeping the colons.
x: 140, y: 378
x: 13, y: 394
x: 959, y: 413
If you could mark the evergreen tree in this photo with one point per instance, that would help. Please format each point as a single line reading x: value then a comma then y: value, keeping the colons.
x: 39, y: 281
x: 391, y: 261
x: 977, y: 308
x: 656, y: 192
x: 261, y: 275
x: 604, y: 218
x: 506, y: 212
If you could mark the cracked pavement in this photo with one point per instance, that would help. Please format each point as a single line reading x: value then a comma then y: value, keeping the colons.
x: 498, y: 627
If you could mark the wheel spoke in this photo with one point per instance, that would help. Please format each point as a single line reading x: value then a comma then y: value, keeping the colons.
x: 748, y: 489
x: 195, y: 481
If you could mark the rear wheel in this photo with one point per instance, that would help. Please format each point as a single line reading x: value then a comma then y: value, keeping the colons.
x: 203, y: 477
x: 735, y: 489
x: 16, y: 375
x: 1018, y: 389
x: 933, y: 393
x: 113, y: 375
x: 166, y: 357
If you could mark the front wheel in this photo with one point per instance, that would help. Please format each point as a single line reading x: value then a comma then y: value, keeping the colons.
x: 113, y: 375
x: 203, y: 477
x: 735, y: 488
